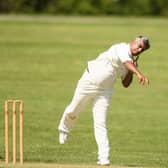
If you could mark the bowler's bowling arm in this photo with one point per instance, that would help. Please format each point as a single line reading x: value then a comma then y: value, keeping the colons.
x: 131, y: 67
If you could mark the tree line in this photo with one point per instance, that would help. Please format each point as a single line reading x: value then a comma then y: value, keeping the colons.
x: 87, y: 7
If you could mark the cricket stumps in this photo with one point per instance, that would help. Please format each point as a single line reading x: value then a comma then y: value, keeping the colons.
x: 15, y: 106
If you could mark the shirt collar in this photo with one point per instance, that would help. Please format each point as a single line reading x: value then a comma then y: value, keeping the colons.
x: 129, y: 50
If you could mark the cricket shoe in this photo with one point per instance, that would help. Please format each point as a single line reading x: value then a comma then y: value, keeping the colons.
x: 63, y: 137
x: 105, y: 162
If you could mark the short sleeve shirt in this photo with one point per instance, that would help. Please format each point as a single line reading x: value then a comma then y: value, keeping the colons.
x: 118, y: 54
x: 109, y: 65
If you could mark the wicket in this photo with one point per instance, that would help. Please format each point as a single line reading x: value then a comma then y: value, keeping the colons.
x: 14, y: 111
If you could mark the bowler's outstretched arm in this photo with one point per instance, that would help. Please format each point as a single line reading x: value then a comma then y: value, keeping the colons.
x: 131, y: 67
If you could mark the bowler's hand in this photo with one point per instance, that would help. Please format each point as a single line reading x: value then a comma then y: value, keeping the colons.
x: 131, y: 67
x: 142, y: 79
x: 135, y: 63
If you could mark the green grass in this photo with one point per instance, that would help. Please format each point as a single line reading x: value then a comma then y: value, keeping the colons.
x: 42, y: 59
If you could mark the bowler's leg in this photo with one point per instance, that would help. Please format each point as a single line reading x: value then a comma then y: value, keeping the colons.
x: 100, y: 110
x: 72, y: 112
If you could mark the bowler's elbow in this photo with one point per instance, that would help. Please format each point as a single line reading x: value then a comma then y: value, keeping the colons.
x: 125, y: 85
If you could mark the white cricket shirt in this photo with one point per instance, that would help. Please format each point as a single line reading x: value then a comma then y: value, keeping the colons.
x: 108, y: 66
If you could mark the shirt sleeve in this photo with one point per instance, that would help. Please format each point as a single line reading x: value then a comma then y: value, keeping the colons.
x: 123, y: 53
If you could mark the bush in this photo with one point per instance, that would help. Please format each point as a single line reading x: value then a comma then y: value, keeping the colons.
x: 91, y: 7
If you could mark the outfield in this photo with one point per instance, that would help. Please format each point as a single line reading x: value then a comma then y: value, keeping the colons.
x: 41, y: 59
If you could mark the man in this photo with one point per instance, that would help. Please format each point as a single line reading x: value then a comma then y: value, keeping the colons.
x: 96, y: 84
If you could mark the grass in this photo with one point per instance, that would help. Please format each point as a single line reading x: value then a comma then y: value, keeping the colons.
x: 52, y: 165
x: 42, y: 59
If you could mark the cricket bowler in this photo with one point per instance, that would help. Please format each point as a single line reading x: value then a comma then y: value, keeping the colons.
x: 96, y: 85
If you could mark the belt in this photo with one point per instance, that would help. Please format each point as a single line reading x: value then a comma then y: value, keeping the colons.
x: 87, y: 69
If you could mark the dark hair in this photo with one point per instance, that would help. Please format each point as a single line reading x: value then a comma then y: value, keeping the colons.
x: 145, y: 41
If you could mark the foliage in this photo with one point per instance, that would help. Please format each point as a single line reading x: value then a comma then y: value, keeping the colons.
x: 89, y: 7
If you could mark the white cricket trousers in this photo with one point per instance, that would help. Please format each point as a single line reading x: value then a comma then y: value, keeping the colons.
x: 85, y: 92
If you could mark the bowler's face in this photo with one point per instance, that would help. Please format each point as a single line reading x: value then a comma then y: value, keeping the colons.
x: 137, y: 47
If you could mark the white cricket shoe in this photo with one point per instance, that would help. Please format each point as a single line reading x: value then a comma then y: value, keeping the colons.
x: 63, y: 136
x: 103, y: 162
